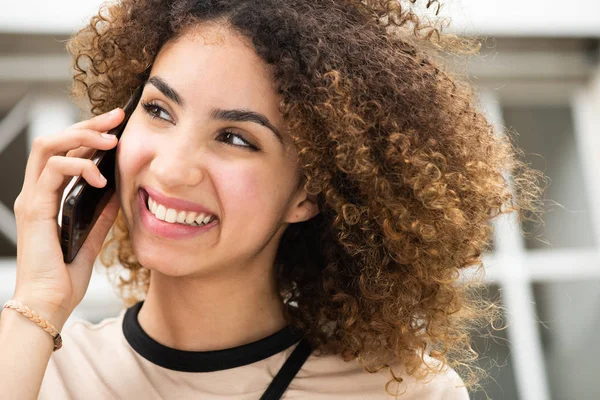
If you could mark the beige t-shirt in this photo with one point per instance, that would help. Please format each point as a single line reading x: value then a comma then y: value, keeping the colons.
x: 116, y: 359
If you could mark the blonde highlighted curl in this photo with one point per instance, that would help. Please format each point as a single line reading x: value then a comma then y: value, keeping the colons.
x: 408, y: 172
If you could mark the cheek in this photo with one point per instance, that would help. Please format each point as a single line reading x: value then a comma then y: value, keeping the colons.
x: 250, y: 192
x: 133, y: 151
x: 239, y: 186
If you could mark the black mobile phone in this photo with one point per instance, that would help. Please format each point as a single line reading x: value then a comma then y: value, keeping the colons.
x: 84, y: 203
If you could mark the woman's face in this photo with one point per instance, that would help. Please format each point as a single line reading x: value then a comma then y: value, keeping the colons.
x: 207, y: 136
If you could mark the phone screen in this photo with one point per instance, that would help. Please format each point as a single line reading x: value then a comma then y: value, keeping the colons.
x: 84, y: 203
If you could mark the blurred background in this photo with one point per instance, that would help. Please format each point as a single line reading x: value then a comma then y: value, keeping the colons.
x: 538, y: 74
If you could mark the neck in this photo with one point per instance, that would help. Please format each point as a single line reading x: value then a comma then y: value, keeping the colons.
x: 210, y: 313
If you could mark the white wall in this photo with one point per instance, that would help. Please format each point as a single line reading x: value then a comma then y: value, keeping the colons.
x: 575, y: 18
x: 486, y: 17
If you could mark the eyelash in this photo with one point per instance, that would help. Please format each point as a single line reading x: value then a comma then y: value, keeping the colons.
x: 153, y: 109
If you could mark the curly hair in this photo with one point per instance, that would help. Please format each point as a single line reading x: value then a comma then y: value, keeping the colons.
x: 408, y: 172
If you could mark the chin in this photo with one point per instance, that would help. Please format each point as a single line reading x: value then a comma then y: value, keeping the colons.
x: 159, y: 259
x: 169, y: 262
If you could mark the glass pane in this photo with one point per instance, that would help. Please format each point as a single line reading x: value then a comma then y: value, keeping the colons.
x: 569, y: 313
x: 545, y: 133
x: 495, y: 357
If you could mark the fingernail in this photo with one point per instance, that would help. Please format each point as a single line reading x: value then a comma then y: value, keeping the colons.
x: 108, y: 136
x: 113, y: 112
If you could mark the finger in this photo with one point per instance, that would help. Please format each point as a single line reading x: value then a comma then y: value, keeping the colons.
x: 102, y: 122
x: 99, y: 123
x: 59, y: 144
x: 45, y: 203
x: 59, y: 167
x: 81, y: 152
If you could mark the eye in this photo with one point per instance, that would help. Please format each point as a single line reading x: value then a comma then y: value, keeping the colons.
x: 233, y: 139
x: 156, y: 111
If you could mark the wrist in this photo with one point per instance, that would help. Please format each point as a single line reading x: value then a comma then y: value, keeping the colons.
x: 55, y: 314
x: 15, y: 322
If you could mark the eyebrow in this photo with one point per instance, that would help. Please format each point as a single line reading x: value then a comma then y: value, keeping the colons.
x: 234, y: 115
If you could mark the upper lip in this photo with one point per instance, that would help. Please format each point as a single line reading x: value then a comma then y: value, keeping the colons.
x: 177, y: 204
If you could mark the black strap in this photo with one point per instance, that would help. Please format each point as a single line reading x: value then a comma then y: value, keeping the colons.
x: 288, y: 371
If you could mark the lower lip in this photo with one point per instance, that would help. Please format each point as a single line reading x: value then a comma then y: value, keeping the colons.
x: 166, y: 229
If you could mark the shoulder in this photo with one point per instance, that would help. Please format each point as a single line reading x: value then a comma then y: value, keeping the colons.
x: 81, y: 337
x: 333, y: 376
x: 446, y: 385
x: 92, y: 348
x: 80, y: 330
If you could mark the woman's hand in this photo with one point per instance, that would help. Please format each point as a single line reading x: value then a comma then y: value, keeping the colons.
x: 44, y: 281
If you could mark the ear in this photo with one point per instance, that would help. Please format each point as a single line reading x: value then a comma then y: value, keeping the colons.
x: 303, y: 208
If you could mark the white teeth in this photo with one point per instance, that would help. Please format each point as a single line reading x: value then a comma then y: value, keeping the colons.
x: 190, y: 217
x: 199, y: 218
x: 161, y: 212
x: 173, y: 216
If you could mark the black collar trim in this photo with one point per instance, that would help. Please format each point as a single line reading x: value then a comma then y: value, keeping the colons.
x: 203, y: 361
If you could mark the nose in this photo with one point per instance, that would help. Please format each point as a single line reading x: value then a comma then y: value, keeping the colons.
x: 177, y: 164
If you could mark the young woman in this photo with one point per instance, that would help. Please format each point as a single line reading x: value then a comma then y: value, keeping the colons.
x: 298, y: 189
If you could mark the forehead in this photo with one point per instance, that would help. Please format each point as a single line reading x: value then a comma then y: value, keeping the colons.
x: 215, y: 64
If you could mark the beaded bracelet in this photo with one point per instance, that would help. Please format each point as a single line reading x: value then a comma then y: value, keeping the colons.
x: 37, y: 318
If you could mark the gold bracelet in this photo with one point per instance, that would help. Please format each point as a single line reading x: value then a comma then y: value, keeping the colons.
x: 37, y: 318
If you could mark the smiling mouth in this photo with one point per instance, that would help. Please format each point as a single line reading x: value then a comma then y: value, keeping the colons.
x: 176, y: 217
